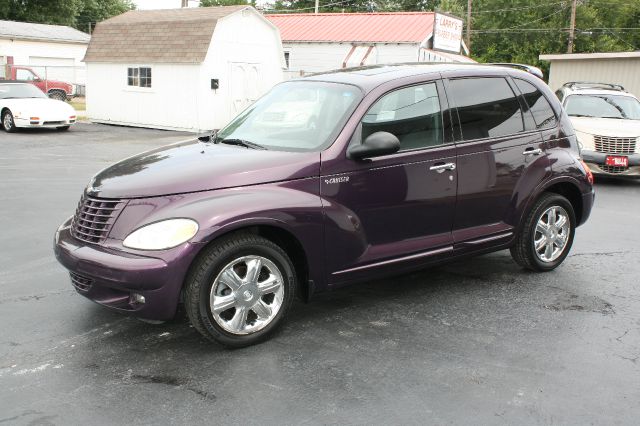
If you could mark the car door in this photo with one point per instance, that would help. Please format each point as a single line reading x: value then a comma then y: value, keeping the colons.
x: 495, y: 148
x: 393, y: 209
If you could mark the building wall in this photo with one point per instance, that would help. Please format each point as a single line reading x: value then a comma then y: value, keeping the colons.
x: 318, y: 57
x: 170, y: 102
x: 246, y: 57
x: 180, y: 96
x: 624, y: 71
x: 63, y: 60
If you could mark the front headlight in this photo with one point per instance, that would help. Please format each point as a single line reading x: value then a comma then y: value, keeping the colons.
x: 162, y: 235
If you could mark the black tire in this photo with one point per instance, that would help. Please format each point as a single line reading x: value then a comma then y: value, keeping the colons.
x: 523, y: 251
x: 58, y: 94
x: 63, y: 128
x: 209, y: 265
x: 8, y: 123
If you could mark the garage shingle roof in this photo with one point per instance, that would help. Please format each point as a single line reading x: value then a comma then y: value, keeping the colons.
x: 157, y: 36
x: 28, y: 31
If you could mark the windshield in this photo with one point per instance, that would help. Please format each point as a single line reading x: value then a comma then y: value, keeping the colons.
x: 295, y: 116
x: 603, y: 106
x: 12, y: 91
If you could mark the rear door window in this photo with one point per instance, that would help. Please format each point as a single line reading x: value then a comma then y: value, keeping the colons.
x: 539, y: 106
x: 412, y: 114
x: 487, y: 107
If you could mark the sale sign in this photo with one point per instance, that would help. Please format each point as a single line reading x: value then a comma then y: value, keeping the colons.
x: 447, y: 33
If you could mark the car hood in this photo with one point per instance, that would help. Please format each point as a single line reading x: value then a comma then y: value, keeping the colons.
x: 38, y: 107
x: 194, y: 166
x: 606, y: 126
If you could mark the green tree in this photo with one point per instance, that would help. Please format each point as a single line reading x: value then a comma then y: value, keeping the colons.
x: 504, y: 31
x: 76, y: 13
x: 93, y: 11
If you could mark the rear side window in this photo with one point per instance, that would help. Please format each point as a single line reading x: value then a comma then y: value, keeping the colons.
x: 487, y: 107
x: 539, y: 106
x: 412, y: 114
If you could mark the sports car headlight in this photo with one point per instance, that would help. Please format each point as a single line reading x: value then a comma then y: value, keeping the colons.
x: 162, y: 235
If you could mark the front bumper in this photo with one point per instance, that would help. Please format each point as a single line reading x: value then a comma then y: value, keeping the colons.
x: 51, y: 124
x: 596, y: 162
x: 112, y: 278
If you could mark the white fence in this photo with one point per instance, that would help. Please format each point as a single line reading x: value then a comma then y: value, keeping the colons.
x: 47, y: 77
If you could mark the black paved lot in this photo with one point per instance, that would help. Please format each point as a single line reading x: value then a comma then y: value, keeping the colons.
x: 478, y: 342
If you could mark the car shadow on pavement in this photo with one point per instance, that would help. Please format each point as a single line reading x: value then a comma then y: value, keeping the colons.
x: 419, y: 291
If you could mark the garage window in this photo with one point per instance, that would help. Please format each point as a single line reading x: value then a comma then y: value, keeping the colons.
x: 139, y: 76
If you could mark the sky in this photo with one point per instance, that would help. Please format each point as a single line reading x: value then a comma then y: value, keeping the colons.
x: 162, y: 4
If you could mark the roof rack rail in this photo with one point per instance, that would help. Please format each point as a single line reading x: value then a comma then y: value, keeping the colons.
x: 528, y: 68
x: 594, y: 84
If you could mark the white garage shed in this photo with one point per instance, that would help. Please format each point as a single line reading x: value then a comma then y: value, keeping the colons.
x: 54, y: 52
x: 180, y: 69
x: 326, y: 41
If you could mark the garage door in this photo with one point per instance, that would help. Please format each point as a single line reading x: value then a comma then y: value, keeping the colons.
x: 56, y: 68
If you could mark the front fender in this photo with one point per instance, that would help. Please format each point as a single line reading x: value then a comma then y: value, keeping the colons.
x: 293, y: 206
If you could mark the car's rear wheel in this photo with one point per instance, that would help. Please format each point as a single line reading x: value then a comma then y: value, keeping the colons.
x: 239, y: 290
x: 546, y: 237
x: 7, y: 122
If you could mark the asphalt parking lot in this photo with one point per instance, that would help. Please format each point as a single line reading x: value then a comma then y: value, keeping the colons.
x: 474, y: 342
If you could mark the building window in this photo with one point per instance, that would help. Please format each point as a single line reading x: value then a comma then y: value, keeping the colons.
x: 139, y: 77
x: 286, y: 59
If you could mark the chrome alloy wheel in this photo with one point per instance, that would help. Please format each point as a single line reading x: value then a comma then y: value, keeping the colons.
x: 246, y: 295
x: 7, y: 121
x: 552, y: 233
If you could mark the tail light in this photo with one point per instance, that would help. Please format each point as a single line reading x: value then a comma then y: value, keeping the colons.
x: 587, y: 171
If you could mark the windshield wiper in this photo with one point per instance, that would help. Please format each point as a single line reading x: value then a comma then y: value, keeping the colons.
x: 581, y: 115
x: 239, y: 142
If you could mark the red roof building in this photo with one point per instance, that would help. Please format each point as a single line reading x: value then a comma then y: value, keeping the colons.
x: 326, y: 41
x: 402, y: 27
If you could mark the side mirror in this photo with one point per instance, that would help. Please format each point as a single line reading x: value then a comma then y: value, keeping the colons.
x: 375, y: 145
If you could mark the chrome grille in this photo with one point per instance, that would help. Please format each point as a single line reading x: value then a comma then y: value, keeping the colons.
x: 611, y: 145
x: 612, y: 169
x: 80, y: 282
x: 94, y: 218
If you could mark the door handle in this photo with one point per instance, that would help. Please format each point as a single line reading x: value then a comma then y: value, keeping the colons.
x: 441, y: 167
x: 532, y: 151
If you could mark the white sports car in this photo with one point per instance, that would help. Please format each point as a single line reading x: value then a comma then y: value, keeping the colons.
x: 24, y: 105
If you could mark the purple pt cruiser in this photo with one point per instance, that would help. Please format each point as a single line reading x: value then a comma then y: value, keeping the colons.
x: 329, y: 180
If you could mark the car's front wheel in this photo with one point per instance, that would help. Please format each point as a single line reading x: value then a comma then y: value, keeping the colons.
x: 7, y: 122
x: 547, y: 234
x: 239, y: 290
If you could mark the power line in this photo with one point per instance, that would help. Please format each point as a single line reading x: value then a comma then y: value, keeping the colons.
x: 518, y: 8
x: 306, y: 8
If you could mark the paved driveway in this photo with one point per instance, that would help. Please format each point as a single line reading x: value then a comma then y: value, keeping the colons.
x: 475, y: 342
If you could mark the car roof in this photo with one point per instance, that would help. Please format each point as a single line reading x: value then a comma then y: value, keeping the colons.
x: 590, y: 91
x: 369, y: 77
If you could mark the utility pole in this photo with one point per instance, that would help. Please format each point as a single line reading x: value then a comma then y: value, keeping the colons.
x: 572, y: 26
x: 469, y: 25
x: 317, y: 6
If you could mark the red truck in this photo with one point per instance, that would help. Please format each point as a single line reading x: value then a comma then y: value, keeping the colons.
x: 55, y: 89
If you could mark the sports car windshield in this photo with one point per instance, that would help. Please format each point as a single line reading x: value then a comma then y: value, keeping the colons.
x: 20, y: 91
x: 603, y: 106
x: 294, y: 116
